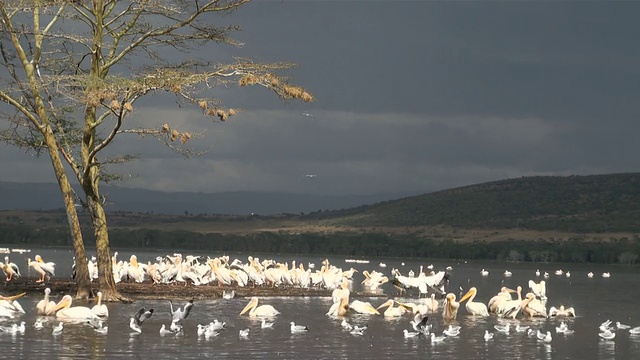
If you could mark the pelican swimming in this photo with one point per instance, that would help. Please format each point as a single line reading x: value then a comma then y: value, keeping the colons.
x: 533, y: 307
x: 262, y: 310
x: 607, y: 335
x: 451, y: 307
x: 100, y: 309
x: 474, y: 308
x: 362, y: 307
x: 538, y: 289
x: 340, y: 308
x: 561, y: 311
x: 495, y: 302
x: 64, y: 310
x: 298, y: 328
x: 45, y: 306
x: 10, y: 269
x: 135, y: 323
x: 393, y: 311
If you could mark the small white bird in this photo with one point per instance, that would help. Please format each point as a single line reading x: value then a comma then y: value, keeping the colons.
x: 244, y: 333
x: 589, y: 274
x: 607, y: 334
x: 605, y: 326
x: 507, y: 273
x: 345, y: 325
x: 358, y: 330
x: 216, y: 325
x: 58, y: 329
x: 164, y: 331
x: 488, y: 335
x: 410, y: 334
x: 452, y: 331
x: 521, y: 329
x: 606, y: 275
x: 201, y: 329
x: 484, y: 272
x: 537, y: 272
x: 502, y: 328
x: 547, y: 338
x: 635, y: 330
x: 298, y: 328
x: 175, y: 327
x: 622, y: 326
x: 266, y: 324
x: 39, y: 324
x: 437, y: 339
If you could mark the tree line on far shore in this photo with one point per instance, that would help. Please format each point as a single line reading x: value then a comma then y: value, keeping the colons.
x: 575, y: 250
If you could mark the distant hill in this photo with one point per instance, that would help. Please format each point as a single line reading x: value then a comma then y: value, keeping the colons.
x: 46, y: 196
x: 597, y: 203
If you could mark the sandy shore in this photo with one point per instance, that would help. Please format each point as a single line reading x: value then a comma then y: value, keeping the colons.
x: 148, y: 290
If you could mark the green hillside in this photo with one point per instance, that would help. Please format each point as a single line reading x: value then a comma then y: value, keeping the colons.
x: 597, y: 203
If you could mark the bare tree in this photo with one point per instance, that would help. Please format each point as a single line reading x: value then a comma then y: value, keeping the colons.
x: 71, y: 84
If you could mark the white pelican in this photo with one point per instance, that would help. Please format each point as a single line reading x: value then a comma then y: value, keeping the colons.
x: 605, y: 326
x: 298, y: 328
x: 451, y: 307
x: 410, y: 334
x: 57, y: 330
x: 484, y: 272
x: 474, y: 308
x: 262, y: 310
x: 487, y: 335
x: 606, y: 275
x: 45, y: 306
x: 10, y: 269
x: 38, y: 269
x: 393, y: 311
x: 510, y: 307
x: 135, y: 323
x: 533, y: 307
x: 561, y: 311
x: 63, y: 310
x: 100, y: 309
x: 362, y: 307
x: 340, y: 308
x: 538, y: 289
x: 589, y: 274
x: 432, y: 303
x: 495, y: 302
x: 48, y: 267
x: 180, y: 313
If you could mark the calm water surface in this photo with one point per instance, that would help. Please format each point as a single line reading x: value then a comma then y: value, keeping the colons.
x: 595, y: 301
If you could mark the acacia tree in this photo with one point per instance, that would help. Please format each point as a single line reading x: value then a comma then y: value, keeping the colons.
x: 73, y: 83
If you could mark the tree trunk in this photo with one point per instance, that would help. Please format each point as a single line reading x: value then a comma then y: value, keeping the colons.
x: 83, y: 282
x: 106, y: 283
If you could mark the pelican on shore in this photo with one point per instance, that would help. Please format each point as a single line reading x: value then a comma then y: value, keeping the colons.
x: 100, y: 309
x: 64, y: 310
x: 10, y: 269
x: 44, y: 272
x: 474, y: 308
x: 45, y: 306
x: 262, y: 310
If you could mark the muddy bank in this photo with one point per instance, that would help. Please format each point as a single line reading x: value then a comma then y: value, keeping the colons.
x: 148, y: 290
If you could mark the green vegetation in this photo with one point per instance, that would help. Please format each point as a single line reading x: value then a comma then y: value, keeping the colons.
x: 540, y: 219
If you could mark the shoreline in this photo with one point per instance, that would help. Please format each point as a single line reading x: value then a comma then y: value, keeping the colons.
x: 149, y: 291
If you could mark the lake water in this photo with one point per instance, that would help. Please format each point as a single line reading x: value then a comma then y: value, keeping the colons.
x: 595, y: 300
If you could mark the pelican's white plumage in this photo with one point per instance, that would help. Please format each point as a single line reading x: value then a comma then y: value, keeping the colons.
x: 474, y: 308
x: 45, y: 306
x: 64, y: 310
x: 100, y: 309
x: 262, y: 310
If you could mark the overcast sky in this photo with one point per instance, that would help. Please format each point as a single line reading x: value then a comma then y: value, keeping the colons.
x: 412, y: 96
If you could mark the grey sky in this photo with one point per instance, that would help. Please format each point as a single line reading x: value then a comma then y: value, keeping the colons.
x: 411, y: 96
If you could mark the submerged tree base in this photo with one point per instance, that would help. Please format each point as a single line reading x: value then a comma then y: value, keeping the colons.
x: 148, y: 290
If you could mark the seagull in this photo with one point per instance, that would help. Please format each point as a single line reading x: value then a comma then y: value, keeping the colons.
x: 622, y: 326
x: 345, y: 325
x: 605, y: 326
x: 298, y: 328
x: 410, y: 334
x: 436, y: 339
x: 181, y: 313
x: 488, y: 335
x: 39, y: 324
x: 419, y: 323
x: 484, y: 272
x: 98, y: 326
x: 502, y: 328
x: 58, y: 329
x: 521, y: 329
x: 138, y: 318
x: 358, y: 330
x: 164, y: 331
x: 175, y: 327
x: 266, y: 324
x: 307, y: 114
x: 216, y: 325
x: 228, y: 294
x: 452, y: 331
x: 209, y: 332
x: 243, y: 333
x: 202, y: 329
x: 547, y: 338
x: 635, y: 330
x: 310, y: 175
x: 607, y: 334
